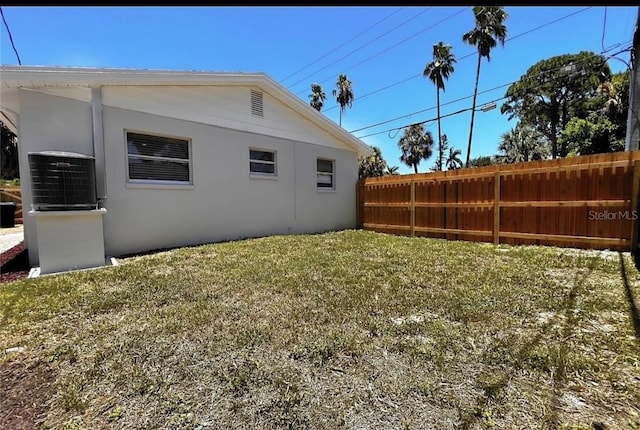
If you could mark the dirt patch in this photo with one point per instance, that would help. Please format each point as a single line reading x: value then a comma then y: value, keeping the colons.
x: 25, y: 391
x: 14, y: 264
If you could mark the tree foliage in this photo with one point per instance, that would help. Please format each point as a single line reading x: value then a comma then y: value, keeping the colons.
x: 317, y: 97
x: 438, y: 71
x: 555, y: 90
x: 439, y: 164
x: 343, y: 93
x: 451, y: 161
x: 392, y: 170
x: 8, y: 153
x: 604, y: 127
x: 593, y: 135
x: 483, y: 160
x: 374, y: 165
x: 416, y: 145
x: 454, y: 161
x: 521, y: 144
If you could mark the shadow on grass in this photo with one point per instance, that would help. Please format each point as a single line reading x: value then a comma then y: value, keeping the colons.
x: 633, y: 308
x: 559, y: 362
x: 559, y: 376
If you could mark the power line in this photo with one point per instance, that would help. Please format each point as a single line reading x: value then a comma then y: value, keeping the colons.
x: 360, y: 47
x: 345, y: 43
x: 393, y: 46
x: 10, y: 36
x: 471, y: 54
x: 480, y: 92
x: 462, y: 98
x: 604, y: 27
x: 469, y: 96
x: 432, y: 107
x: 612, y: 56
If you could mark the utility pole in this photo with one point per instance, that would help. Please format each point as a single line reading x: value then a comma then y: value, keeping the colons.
x: 633, y: 120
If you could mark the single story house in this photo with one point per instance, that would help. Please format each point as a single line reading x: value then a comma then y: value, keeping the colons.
x: 183, y: 157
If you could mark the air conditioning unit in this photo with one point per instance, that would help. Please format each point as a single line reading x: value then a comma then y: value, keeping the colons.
x: 62, y: 181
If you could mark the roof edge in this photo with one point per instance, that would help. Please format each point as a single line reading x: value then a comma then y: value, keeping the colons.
x: 64, y: 76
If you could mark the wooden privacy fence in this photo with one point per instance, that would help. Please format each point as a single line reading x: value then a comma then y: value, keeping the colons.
x: 583, y: 202
x: 13, y: 194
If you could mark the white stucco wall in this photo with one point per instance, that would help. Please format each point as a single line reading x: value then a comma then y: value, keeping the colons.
x: 48, y: 123
x: 225, y: 202
x: 225, y: 106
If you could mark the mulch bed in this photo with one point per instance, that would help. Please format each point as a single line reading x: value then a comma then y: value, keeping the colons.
x: 26, y: 388
x: 14, y: 264
x: 27, y: 381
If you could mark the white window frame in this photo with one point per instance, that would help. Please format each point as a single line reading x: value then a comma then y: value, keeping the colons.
x: 332, y: 174
x: 158, y: 182
x: 274, y: 163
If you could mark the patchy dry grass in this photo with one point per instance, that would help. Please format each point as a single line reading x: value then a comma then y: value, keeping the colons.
x: 344, y: 330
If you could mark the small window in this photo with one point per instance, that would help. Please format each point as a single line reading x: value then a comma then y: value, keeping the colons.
x: 158, y: 158
x: 262, y: 162
x: 326, y: 175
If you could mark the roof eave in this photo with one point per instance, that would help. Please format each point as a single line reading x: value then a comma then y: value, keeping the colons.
x: 73, y: 76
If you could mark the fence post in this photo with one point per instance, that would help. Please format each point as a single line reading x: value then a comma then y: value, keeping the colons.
x: 635, y: 189
x: 413, y: 208
x: 360, y: 194
x: 496, y: 208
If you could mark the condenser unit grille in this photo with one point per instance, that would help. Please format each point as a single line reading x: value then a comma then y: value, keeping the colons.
x: 62, y: 181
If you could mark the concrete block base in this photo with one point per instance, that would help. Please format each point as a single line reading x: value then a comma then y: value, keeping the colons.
x: 69, y: 240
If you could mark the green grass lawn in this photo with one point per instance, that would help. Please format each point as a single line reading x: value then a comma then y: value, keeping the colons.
x: 343, y: 330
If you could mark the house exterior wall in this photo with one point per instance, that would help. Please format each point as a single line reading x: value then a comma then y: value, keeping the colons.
x: 225, y: 106
x: 224, y: 202
x: 48, y: 123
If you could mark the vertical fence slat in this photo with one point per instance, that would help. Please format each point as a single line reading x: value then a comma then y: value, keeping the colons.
x: 634, y: 206
x: 413, y: 208
x: 569, y: 189
x: 496, y: 208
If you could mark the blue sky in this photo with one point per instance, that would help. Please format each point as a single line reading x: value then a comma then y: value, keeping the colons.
x: 376, y: 47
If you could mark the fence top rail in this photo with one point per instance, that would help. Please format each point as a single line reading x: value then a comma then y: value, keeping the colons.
x: 613, y: 159
x: 11, y: 193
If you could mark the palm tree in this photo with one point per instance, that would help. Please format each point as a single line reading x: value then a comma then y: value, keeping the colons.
x: 416, y: 144
x: 344, y: 94
x: 437, y: 167
x: 612, y: 104
x: 392, y: 170
x: 453, y: 160
x: 317, y: 97
x: 489, y: 27
x: 373, y: 165
x: 438, y: 71
x: 522, y: 144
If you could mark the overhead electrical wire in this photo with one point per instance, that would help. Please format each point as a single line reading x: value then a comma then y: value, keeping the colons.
x: 13, y: 45
x: 432, y: 107
x: 345, y: 43
x: 392, y: 46
x: 472, y: 54
x: 604, y: 28
x: 360, y: 47
x: 612, y: 56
